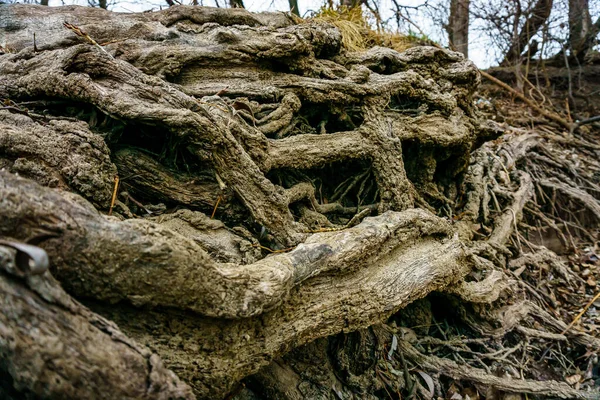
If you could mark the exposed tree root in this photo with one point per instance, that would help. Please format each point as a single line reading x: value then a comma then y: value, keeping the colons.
x: 505, y: 384
x: 53, y: 347
x: 250, y: 150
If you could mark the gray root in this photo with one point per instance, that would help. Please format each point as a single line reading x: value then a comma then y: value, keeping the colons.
x: 53, y: 347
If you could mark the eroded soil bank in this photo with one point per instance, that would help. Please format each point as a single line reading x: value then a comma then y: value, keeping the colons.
x: 253, y: 205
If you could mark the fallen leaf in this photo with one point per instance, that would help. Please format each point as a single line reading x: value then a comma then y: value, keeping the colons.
x: 429, y: 381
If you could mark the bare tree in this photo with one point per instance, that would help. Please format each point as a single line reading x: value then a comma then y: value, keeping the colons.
x: 294, y: 7
x: 535, y: 19
x: 582, y: 32
x: 580, y: 21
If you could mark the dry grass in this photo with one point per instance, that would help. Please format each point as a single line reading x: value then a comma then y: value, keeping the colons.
x: 357, y: 33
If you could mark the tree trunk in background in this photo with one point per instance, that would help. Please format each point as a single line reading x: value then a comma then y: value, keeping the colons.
x: 351, y: 3
x: 458, y: 26
x: 580, y: 22
x: 103, y: 4
x: 537, y: 18
x: 44, y: 2
x: 582, y: 31
x: 294, y: 7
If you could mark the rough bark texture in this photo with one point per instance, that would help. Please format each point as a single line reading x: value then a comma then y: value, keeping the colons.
x: 580, y: 24
x: 458, y: 26
x: 53, y: 347
x: 249, y: 150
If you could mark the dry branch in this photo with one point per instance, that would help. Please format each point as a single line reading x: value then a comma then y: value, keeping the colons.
x: 506, y: 384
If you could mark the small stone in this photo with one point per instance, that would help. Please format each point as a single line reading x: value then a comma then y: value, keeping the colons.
x: 591, y: 281
x: 585, y: 272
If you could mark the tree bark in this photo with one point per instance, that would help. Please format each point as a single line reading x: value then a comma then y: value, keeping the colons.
x: 580, y: 24
x: 582, y: 32
x: 458, y: 26
x: 53, y: 347
x: 294, y: 9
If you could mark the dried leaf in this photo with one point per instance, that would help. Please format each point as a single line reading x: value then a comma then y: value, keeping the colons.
x: 393, y: 348
x: 429, y: 381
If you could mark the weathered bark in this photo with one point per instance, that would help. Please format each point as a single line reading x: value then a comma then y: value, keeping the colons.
x: 580, y: 25
x: 57, y: 153
x: 458, y: 26
x: 53, y: 347
x: 269, y: 125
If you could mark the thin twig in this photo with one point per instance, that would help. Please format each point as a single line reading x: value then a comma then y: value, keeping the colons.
x: 550, y: 115
x: 79, y: 32
x: 114, y: 195
x: 578, y: 317
x: 215, y: 209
